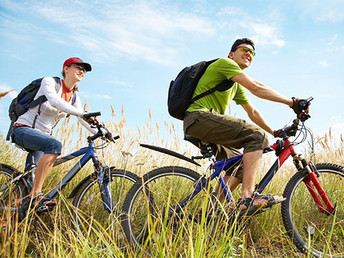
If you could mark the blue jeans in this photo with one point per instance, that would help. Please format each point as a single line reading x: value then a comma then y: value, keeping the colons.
x: 34, y: 140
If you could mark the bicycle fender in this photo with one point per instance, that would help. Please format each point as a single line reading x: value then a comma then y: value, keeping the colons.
x: 76, y: 189
x: 170, y: 152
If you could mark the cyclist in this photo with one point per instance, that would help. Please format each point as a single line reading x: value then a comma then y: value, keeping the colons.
x: 205, y: 119
x: 33, y: 129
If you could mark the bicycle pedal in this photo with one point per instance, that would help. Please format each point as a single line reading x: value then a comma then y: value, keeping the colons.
x: 44, y: 208
x: 267, y: 208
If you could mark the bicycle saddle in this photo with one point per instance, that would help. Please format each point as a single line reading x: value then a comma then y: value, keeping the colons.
x: 206, y: 148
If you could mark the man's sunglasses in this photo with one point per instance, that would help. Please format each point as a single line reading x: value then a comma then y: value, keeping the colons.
x: 246, y: 49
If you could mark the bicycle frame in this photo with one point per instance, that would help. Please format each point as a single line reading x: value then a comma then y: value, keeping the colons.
x: 88, y: 154
x: 287, y: 151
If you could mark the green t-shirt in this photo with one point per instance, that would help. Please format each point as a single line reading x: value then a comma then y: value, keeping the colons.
x: 223, y: 68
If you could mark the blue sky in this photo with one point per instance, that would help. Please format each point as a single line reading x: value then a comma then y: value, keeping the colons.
x: 137, y: 47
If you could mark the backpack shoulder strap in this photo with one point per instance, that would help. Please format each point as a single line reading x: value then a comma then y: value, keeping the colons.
x: 58, y: 83
x: 43, y: 98
x: 73, y: 97
x: 222, y: 86
x: 58, y: 86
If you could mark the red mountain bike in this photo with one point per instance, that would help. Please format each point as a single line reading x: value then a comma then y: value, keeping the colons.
x: 174, y: 202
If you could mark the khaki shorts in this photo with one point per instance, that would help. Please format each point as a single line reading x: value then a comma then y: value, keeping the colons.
x: 226, y: 131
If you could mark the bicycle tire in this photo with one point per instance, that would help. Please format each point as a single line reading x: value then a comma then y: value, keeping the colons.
x: 158, y: 189
x: 312, y: 231
x: 10, y: 198
x: 90, y: 216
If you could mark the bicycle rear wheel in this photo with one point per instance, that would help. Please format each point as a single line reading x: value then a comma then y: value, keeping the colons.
x: 11, y: 196
x: 158, y: 209
x: 92, y: 216
x: 311, y: 230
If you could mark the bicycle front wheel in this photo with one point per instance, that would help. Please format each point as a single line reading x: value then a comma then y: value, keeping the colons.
x: 11, y: 195
x: 93, y: 217
x: 160, y: 210
x: 312, y: 229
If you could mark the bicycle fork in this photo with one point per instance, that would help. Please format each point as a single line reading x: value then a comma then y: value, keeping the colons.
x: 313, y: 185
x: 103, y: 181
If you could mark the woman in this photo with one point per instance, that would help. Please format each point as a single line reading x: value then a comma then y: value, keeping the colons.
x: 33, y: 129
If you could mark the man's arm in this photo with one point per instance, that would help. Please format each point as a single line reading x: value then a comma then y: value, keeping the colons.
x: 260, y: 90
x: 257, y: 118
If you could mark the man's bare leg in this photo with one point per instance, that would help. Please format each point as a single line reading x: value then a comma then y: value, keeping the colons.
x: 232, y: 183
x: 251, y: 162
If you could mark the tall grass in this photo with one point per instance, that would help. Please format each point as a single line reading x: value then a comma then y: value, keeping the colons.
x: 53, y: 235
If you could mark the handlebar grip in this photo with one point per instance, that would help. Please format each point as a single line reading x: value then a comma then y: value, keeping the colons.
x: 91, y: 114
x: 310, y: 99
x: 305, y: 103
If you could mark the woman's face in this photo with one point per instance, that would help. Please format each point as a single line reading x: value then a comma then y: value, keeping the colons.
x: 75, y: 72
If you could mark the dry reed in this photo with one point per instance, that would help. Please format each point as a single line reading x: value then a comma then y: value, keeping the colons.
x: 53, y: 235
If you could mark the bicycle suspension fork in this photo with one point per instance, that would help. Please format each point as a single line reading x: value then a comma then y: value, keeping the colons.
x: 313, y: 185
x: 103, y: 178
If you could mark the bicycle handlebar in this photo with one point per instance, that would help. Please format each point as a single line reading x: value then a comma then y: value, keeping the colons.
x: 87, y: 116
x: 305, y: 103
x: 102, y: 130
x: 291, y: 130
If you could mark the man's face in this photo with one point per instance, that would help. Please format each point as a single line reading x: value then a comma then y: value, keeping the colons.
x: 243, y: 55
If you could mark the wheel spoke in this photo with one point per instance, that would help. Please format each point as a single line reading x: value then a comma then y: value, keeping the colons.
x: 92, y: 218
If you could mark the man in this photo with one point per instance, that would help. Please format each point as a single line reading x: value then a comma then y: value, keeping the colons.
x: 205, y: 119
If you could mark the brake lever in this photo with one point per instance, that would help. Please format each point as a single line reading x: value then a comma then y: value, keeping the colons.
x: 303, y: 117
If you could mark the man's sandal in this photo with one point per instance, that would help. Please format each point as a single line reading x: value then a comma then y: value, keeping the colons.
x: 252, y: 207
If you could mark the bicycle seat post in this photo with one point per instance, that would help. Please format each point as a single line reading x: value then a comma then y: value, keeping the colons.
x: 31, y: 168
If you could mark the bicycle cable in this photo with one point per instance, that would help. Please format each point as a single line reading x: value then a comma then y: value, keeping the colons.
x: 303, y: 132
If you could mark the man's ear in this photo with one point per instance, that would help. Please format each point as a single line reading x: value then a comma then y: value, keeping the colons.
x: 230, y: 55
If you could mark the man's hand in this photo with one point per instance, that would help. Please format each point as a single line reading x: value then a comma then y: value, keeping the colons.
x: 278, y: 133
x: 300, y: 106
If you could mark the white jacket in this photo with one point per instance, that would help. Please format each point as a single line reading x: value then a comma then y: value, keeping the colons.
x: 50, y: 110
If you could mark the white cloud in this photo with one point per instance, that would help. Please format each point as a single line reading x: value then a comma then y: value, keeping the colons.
x: 138, y: 30
x: 264, y: 33
x: 230, y: 10
x: 319, y: 11
x: 338, y: 126
x: 104, y: 96
x: 142, y: 30
x: 120, y: 83
x: 323, y: 64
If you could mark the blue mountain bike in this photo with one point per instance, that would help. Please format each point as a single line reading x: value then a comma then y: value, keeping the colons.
x: 97, y: 197
x: 178, y: 204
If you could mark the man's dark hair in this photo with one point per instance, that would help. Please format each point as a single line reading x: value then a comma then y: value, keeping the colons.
x: 242, y: 41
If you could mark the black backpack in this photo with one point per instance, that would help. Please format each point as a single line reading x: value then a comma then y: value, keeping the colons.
x: 182, y: 88
x: 25, y: 100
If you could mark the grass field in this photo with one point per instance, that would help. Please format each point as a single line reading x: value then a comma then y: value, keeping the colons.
x: 52, y: 235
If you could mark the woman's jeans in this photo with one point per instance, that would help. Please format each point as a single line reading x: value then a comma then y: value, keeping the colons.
x: 34, y: 140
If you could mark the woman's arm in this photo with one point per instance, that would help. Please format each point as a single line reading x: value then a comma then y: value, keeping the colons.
x: 48, y: 88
